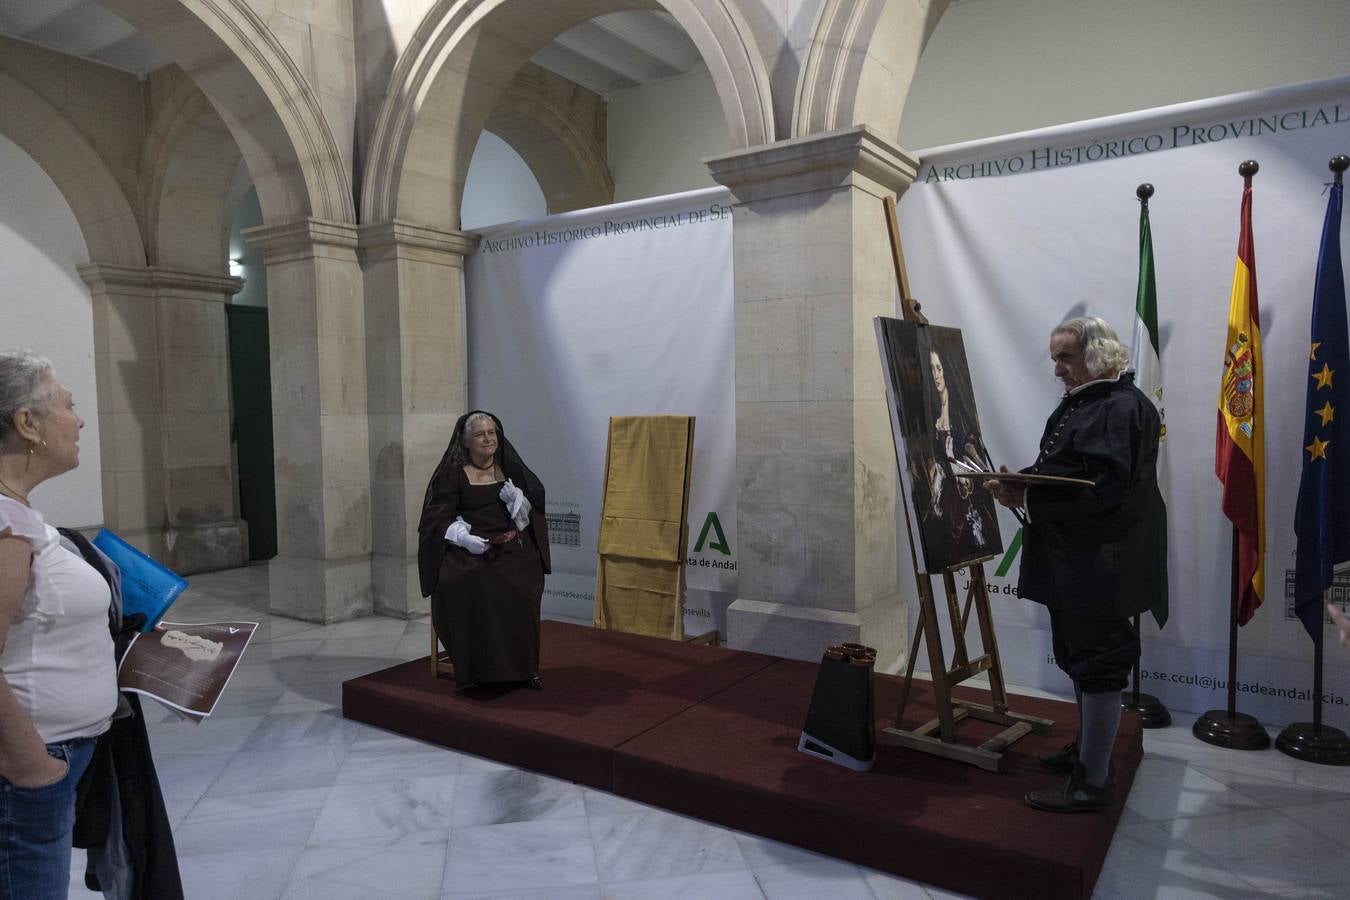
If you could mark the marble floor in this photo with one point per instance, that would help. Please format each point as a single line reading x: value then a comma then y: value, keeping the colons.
x: 276, y: 795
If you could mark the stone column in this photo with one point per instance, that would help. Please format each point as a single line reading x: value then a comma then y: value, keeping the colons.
x: 161, y: 357
x: 416, y: 387
x: 317, y: 335
x: 815, y: 465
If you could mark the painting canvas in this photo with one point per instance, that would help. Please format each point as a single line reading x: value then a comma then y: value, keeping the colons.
x: 937, y: 429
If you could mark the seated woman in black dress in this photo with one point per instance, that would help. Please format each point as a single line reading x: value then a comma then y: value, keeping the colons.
x: 482, y: 555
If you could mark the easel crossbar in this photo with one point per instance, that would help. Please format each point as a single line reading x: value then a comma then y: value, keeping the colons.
x: 970, y: 669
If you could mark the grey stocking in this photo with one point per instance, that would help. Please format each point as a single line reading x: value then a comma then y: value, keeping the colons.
x: 1097, y: 734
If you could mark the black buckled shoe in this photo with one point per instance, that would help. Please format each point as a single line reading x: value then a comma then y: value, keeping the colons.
x: 1075, y: 795
x: 1062, y: 760
x: 534, y: 683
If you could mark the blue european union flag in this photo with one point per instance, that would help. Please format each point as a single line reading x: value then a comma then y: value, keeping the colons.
x: 1322, y: 520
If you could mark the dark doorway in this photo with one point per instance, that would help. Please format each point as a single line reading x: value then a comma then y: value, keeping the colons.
x: 251, y: 380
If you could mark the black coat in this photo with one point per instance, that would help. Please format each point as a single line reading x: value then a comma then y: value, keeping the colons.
x: 1094, y: 551
x: 122, y: 772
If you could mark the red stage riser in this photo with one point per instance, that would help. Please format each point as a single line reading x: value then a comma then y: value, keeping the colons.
x: 918, y: 816
x: 712, y: 733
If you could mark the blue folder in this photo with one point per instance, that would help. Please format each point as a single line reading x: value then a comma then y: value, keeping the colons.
x: 147, y: 587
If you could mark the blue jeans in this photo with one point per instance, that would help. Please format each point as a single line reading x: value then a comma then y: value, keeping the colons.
x: 35, y: 829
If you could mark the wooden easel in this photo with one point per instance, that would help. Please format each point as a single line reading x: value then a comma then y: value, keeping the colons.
x: 938, y: 736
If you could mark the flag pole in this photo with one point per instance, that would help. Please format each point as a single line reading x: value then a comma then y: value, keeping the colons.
x: 1313, y: 741
x: 1228, y: 727
x: 1151, y: 711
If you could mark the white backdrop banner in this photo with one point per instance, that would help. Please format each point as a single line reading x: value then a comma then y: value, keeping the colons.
x: 1006, y: 237
x: 620, y: 310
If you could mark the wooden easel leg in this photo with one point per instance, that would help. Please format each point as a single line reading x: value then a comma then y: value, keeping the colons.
x: 960, y: 655
x: 909, y: 669
x: 979, y: 588
x: 937, y: 661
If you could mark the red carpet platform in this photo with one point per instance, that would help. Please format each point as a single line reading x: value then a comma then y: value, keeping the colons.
x: 713, y: 733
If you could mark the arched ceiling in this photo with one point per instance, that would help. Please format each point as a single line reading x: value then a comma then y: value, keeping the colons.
x: 609, y: 53
x: 81, y: 28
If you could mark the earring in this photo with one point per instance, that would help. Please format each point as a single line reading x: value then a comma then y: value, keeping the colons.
x: 32, y: 451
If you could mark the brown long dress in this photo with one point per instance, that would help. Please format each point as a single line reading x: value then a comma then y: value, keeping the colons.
x: 486, y: 608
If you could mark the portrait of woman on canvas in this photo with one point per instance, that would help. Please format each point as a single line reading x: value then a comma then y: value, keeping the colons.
x: 954, y: 517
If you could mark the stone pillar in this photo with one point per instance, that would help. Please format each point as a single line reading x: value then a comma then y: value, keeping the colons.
x: 161, y: 357
x: 815, y: 466
x: 416, y: 387
x: 317, y: 334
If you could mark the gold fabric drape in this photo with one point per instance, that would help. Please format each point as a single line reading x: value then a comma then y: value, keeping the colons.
x: 644, y: 525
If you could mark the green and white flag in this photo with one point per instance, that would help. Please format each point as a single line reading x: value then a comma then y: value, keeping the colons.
x: 1147, y: 367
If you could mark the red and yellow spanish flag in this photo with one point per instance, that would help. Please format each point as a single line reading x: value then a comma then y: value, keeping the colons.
x: 1239, y: 447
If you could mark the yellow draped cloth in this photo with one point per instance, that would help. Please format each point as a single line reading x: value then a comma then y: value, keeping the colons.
x: 644, y: 525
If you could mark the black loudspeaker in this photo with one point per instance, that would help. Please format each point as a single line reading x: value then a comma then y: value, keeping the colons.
x: 841, y: 724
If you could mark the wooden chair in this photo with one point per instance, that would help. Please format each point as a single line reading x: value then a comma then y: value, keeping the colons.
x: 439, y: 666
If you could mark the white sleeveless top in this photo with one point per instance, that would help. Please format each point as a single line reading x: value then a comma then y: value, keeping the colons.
x: 58, y: 658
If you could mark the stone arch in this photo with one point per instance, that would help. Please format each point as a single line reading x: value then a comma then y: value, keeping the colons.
x: 860, y: 65
x: 189, y: 164
x: 263, y: 98
x: 106, y: 219
x: 460, y: 61
x: 559, y: 146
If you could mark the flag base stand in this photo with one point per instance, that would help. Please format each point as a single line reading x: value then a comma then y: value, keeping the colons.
x: 1316, y: 744
x: 1228, y: 727
x: 1235, y: 731
x: 1152, y: 713
x: 1312, y: 741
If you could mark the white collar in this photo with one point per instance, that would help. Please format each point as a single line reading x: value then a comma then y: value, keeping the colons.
x: 1088, y: 384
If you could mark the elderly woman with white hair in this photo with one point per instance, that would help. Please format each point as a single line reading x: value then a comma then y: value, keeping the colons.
x: 482, y: 555
x: 1094, y: 556
x: 58, y: 681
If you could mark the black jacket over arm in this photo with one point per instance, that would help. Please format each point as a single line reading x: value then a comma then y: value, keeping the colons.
x: 122, y: 772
